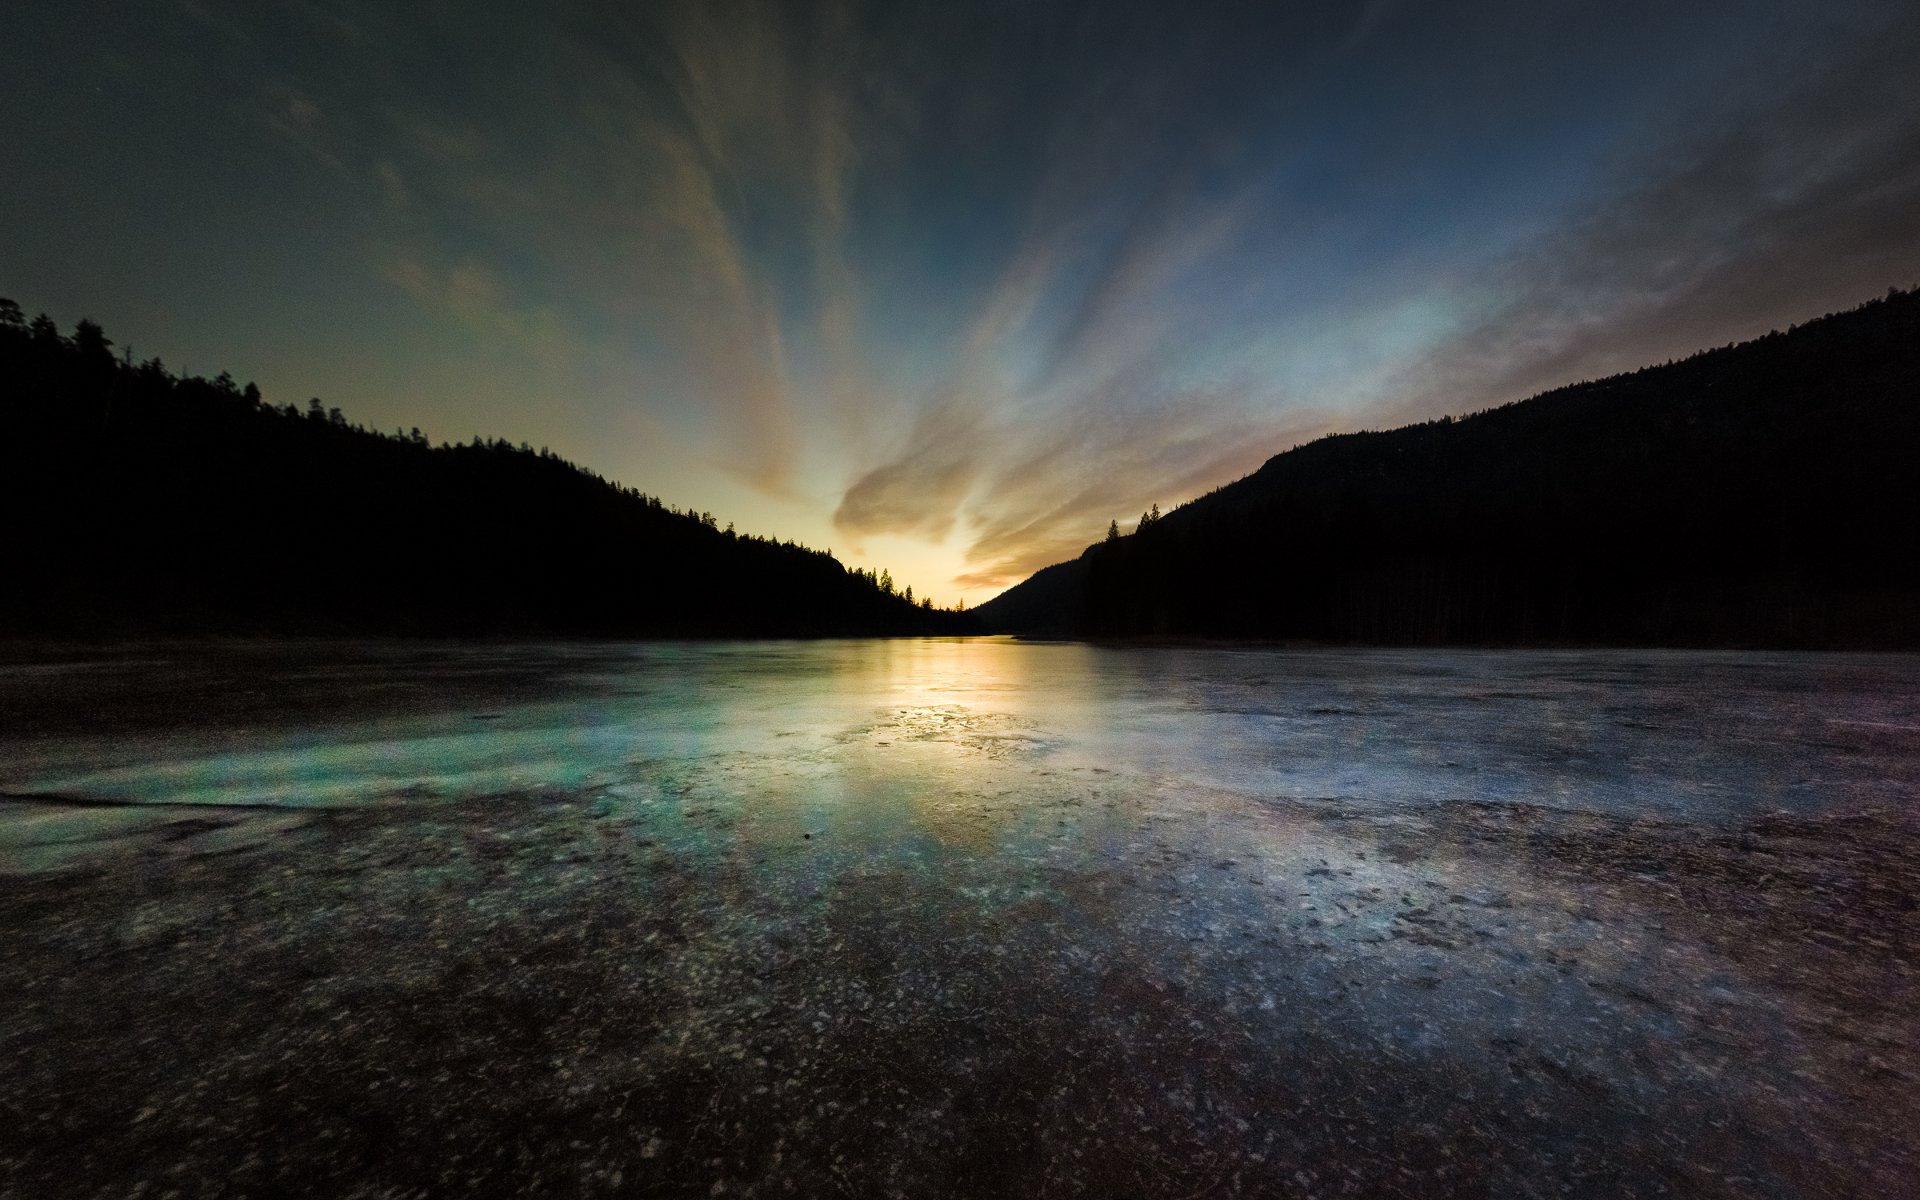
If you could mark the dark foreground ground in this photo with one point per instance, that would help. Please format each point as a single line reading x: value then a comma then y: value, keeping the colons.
x: 538, y: 996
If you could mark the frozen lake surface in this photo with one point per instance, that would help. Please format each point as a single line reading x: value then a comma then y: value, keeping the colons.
x: 968, y: 917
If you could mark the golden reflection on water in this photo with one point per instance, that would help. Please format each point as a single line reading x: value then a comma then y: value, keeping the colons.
x: 936, y: 725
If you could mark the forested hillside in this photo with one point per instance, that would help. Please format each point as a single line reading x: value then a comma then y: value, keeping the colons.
x: 137, y: 502
x: 1766, y: 493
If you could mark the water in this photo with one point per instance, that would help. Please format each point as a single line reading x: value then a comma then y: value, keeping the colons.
x: 968, y: 917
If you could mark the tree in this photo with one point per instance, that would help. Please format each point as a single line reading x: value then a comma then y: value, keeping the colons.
x: 91, y: 341
x: 183, y: 479
x: 1113, y: 531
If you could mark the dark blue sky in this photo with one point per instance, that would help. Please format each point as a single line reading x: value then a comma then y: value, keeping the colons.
x: 946, y: 286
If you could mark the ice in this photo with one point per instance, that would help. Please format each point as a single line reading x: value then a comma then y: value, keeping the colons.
x: 967, y: 917
x: 1695, y: 736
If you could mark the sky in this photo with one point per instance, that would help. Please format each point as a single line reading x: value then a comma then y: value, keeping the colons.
x: 945, y: 286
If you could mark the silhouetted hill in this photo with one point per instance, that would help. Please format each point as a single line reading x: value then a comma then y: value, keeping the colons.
x: 1047, y: 603
x: 136, y: 502
x: 1766, y: 493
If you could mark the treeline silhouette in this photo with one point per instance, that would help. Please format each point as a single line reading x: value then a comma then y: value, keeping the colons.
x: 1766, y: 493
x: 138, y: 502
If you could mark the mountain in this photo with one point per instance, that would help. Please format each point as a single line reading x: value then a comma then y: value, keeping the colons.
x: 1766, y: 493
x: 135, y: 502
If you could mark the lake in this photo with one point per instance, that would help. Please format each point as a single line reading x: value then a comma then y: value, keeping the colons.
x: 958, y: 917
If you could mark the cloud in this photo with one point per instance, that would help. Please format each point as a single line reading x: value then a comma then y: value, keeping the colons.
x: 707, y: 181
x: 298, y: 118
x: 723, y: 318
x: 705, y: 143
x: 1768, y: 210
x: 645, y: 171
x: 392, y: 185
x: 1074, y: 399
x: 474, y: 294
x: 1053, y: 500
x: 468, y: 290
x: 919, y: 493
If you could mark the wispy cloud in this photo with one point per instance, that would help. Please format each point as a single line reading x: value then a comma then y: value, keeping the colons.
x: 474, y: 294
x: 1771, y: 208
x: 1058, y: 492
x: 717, y: 185
x: 920, y: 492
x: 298, y: 118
